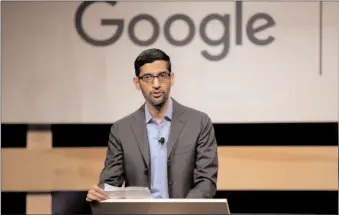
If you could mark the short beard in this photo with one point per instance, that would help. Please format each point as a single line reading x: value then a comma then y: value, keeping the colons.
x: 158, y: 104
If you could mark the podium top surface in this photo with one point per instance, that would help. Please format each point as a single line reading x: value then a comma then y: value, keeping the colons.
x: 161, y: 206
x: 165, y: 201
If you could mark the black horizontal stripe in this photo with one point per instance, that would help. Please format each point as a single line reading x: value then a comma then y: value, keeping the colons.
x: 80, y: 135
x: 231, y: 134
x: 277, y: 134
x: 39, y: 127
x: 287, y: 202
x: 250, y: 134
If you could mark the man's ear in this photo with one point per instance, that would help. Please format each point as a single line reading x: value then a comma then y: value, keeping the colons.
x: 172, y: 79
x: 136, y: 83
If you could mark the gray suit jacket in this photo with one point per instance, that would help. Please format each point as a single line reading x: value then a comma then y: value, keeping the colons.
x: 192, y: 154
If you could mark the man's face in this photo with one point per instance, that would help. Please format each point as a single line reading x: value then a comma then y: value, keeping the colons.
x: 156, y: 90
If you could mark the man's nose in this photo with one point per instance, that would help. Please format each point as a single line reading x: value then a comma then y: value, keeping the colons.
x: 156, y: 83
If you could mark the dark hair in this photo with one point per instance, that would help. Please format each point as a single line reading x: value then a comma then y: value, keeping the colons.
x: 149, y: 56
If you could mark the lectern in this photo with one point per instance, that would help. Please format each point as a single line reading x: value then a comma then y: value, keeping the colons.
x: 161, y: 206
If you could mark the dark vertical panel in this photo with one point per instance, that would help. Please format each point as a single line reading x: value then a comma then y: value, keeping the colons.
x: 69, y: 202
x: 13, y: 203
x: 13, y: 135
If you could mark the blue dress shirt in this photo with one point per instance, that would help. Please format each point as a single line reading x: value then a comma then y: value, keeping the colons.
x: 158, y: 151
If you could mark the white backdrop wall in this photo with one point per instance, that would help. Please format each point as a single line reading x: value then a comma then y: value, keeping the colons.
x: 50, y: 74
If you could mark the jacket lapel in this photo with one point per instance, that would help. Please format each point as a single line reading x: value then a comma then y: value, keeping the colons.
x: 140, y: 133
x: 140, y: 130
x: 177, y: 125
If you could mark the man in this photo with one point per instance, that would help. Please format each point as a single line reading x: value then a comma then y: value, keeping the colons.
x: 165, y: 146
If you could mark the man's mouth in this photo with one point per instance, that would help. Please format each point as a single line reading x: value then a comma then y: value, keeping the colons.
x: 156, y: 94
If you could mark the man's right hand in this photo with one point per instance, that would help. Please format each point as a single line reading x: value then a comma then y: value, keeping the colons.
x: 96, y: 194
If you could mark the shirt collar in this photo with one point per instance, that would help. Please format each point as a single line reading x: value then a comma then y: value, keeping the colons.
x: 168, y: 114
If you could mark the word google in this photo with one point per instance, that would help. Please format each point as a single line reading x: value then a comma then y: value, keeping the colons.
x: 251, y: 29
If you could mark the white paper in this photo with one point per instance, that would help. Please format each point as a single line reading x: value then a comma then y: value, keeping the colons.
x: 127, y: 192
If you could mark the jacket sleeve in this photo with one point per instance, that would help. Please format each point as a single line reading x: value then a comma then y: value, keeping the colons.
x: 206, y: 167
x: 113, y: 171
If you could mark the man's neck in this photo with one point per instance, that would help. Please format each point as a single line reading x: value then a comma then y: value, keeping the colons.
x: 158, y: 112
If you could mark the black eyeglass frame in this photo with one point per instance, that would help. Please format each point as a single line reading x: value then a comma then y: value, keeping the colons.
x: 152, y: 77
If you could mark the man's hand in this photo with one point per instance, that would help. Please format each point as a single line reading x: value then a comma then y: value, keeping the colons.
x: 96, y: 194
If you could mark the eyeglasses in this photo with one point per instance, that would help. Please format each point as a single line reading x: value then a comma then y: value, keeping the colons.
x: 162, y: 77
